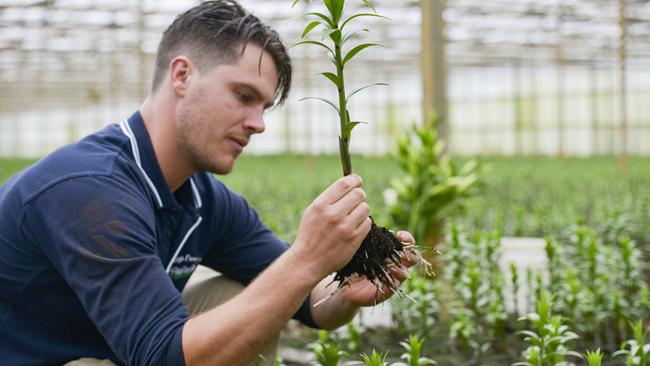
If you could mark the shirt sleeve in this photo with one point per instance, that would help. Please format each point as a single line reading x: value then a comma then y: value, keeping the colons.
x: 245, y: 246
x: 99, y: 234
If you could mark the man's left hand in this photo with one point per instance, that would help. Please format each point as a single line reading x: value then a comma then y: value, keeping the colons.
x: 362, y: 292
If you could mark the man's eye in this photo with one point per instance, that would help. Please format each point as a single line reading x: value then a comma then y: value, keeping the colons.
x: 244, y: 98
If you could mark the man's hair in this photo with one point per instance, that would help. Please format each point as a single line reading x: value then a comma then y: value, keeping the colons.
x: 216, y: 32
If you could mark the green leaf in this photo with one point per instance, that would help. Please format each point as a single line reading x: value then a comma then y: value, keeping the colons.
x: 351, y: 125
x: 573, y: 353
x: 333, y: 78
x: 294, y: 3
x: 361, y: 15
x: 362, y: 88
x: 339, y: 10
x: 528, y: 333
x: 335, y: 8
x: 310, y: 27
x: 323, y: 100
x: 322, y: 16
x: 353, y: 52
x: 321, y: 44
x: 330, y: 8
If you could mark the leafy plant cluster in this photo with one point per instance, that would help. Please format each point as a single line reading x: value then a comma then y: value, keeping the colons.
x: 429, y: 184
x: 597, y: 290
x: 588, y: 309
x: 597, y: 283
x: 549, y: 337
x: 417, y: 314
x: 478, y: 315
x: 326, y: 352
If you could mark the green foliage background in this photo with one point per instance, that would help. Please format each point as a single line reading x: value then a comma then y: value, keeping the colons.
x: 521, y: 196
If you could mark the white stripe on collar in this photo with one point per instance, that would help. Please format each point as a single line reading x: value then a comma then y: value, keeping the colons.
x: 126, y: 129
x: 197, y: 197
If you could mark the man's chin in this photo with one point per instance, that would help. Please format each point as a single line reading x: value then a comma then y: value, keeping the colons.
x: 222, y: 169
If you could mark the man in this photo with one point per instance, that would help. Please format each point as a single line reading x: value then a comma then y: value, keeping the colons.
x: 98, y: 239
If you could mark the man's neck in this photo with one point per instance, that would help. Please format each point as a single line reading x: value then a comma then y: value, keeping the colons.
x: 159, y: 118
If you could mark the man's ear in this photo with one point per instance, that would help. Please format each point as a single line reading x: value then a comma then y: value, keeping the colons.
x: 181, y: 71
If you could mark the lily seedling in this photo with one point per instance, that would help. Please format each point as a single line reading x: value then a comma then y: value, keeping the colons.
x: 380, y: 250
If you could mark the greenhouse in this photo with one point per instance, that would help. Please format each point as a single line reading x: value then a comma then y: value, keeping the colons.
x: 511, y: 138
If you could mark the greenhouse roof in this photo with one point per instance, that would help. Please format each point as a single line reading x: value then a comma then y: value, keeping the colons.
x: 68, y: 41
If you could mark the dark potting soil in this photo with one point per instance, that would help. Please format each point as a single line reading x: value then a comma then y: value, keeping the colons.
x: 378, y: 250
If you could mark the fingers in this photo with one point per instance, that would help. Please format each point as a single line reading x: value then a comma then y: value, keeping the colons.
x: 359, y: 214
x: 350, y: 212
x: 411, y: 255
x: 340, y: 188
x: 405, y: 237
x: 398, y: 274
x: 350, y: 201
x: 386, y: 291
x: 410, y: 258
x: 364, y: 228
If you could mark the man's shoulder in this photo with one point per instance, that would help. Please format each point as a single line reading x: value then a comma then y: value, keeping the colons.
x: 96, y: 155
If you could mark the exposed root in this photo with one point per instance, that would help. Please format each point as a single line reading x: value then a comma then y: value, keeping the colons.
x: 378, y: 250
x: 379, y: 254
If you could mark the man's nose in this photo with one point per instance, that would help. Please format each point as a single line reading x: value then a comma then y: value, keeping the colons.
x: 255, y: 123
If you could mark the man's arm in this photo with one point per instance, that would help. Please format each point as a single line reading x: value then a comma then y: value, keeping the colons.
x: 98, y: 233
x: 330, y: 232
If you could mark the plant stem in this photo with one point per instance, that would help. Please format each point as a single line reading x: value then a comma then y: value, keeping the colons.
x: 344, y: 139
x: 346, y: 162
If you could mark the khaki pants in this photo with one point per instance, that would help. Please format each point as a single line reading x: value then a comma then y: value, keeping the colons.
x: 205, y: 290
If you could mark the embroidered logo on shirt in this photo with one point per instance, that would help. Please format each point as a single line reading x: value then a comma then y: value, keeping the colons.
x: 184, y: 266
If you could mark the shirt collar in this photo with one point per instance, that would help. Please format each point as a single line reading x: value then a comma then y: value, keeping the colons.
x: 145, y: 158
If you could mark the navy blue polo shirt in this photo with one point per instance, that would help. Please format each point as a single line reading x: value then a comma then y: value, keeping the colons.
x: 95, y: 249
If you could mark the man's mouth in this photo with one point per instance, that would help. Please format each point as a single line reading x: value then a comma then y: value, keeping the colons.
x: 240, y: 141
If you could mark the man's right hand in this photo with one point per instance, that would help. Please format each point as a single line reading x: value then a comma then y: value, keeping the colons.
x: 333, y: 226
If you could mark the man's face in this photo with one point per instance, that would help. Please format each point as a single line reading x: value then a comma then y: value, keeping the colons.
x: 223, y: 108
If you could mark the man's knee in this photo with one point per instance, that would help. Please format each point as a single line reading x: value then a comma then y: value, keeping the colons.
x: 208, y: 289
x: 89, y: 362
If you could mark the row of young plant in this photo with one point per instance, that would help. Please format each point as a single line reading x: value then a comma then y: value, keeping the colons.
x: 589, y: 308
x: 593, y: 287
x: 536, y: 196
x: 548, y: 344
